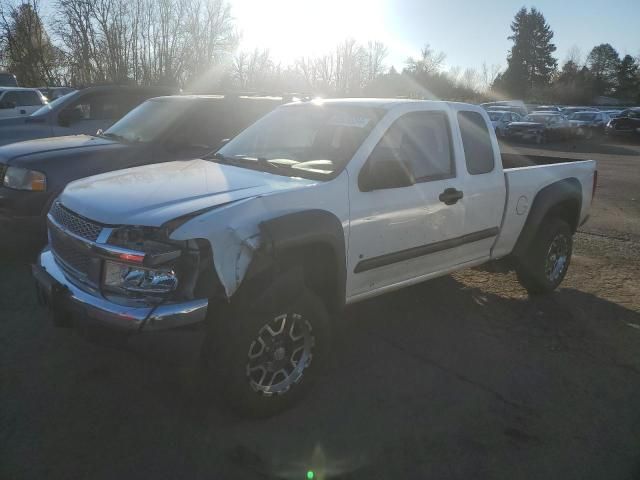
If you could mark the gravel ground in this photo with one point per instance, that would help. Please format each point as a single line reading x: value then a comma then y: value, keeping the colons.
x: 461, y: 377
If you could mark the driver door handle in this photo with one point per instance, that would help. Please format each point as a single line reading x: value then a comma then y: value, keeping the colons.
x: 451, y: 196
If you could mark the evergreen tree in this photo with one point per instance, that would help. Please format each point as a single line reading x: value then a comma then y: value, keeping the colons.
x: 603, y: 62
x: 530, y: 61
x: 628, y: 80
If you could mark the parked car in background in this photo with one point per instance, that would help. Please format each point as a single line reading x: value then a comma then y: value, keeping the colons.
x: 571, y: 110
x: 540, y: 127
x: 546, y: 108
x: 627, y: 124
x: 80, y: 112
x: 612, y: 113
x: 501, y: 120
x: 515, y: 106
x: 55, y: 92
x: 20, y: 102
x: 517, y: 110
x: 250, y: 245
x: 8, y: 80
x: 159, y: 130
x: 588, y: 124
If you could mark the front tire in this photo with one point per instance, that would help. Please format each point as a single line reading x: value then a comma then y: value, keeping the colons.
x: 267, y: 360
x: 547, y: 260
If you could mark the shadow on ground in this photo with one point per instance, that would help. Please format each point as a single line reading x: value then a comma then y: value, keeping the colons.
x: 434, y: 381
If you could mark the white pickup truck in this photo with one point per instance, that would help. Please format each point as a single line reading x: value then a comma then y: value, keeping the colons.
x: 317, y: 205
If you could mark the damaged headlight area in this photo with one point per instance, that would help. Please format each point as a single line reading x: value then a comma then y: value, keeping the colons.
x: 137, y: 280
x: 145, y: 265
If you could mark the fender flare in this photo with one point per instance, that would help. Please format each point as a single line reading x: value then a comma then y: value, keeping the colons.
x: 307, y: 228
x: 566, y: 190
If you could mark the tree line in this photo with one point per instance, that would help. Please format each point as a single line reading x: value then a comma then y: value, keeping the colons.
x: 193, y: 44
x: 532, y: 71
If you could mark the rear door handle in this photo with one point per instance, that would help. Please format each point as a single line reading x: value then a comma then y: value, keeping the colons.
x: 451, y: 196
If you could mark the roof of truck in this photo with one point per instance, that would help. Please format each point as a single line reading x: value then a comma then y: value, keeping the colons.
x: 385, y: 103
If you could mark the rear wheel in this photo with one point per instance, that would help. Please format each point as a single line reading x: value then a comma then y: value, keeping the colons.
x: 267, y: 360
x: 547, y: 260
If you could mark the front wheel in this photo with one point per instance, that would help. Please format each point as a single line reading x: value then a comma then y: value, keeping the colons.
x: 267, y: 360
x: 545, y: 264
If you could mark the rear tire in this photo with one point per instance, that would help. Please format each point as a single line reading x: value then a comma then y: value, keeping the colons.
x: 264, y: 361
x: 548, y: 258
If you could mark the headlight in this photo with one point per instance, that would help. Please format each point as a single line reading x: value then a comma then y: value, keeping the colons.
x: 22, y: 179
x: 132, y: 279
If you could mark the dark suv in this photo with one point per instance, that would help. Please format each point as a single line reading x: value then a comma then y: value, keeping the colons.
x: 626, y: 124
x: 161, y: 129
x: 81, y: 111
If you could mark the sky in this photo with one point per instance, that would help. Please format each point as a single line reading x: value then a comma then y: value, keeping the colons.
x: 469, y: 32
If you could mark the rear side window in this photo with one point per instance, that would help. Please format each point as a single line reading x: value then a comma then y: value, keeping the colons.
x: 478, y: 150
x: 28, y: 99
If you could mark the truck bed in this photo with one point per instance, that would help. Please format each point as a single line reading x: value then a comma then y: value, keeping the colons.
x: 516, y: 160
x: 525, y: 176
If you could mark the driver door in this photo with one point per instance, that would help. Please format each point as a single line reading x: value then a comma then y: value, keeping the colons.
x: 399, y: 234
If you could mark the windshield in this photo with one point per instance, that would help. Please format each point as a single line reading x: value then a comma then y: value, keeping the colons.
x: 311, y: 140
x: 51, y: 105
x: 148, y: 121
x: 586, y: 117
x: 495, y: 116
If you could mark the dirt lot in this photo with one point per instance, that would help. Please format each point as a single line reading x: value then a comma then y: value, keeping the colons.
x: 462, y: 377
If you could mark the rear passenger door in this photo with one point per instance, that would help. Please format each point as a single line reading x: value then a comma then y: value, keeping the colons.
x: 402, y: 234
x: 484, y: 187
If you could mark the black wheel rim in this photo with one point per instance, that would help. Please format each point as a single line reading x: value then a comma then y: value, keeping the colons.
x: 279, y: 355
x: 557, y: 260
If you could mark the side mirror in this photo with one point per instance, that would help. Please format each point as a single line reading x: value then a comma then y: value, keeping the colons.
x: 384, y: 172
x: 5, y: 105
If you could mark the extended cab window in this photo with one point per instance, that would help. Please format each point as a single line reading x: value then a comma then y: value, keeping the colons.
x: 422, y: 141
x: 476, y: 140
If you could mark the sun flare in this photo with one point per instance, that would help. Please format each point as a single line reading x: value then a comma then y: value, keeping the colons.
x: 296, y: 28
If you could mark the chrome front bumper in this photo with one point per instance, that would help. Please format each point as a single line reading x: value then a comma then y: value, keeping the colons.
x: 61, y: 294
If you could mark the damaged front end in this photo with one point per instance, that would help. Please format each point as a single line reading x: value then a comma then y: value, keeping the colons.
x: 131, y: 278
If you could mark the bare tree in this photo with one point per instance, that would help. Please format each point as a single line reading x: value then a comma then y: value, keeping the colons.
x: 488, y: 75
x: 575, y: 55
x: 429, y: 63
x: 376, y: 54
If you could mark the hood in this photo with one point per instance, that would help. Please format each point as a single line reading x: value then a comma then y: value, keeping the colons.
x: 154, y: 194
x: 20, y: 153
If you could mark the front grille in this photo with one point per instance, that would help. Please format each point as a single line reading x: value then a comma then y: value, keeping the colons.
x: 74, y: 223
x: 69, y: 253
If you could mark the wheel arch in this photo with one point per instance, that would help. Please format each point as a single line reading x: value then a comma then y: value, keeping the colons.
x: 304, y: 248
x: 561, y: 199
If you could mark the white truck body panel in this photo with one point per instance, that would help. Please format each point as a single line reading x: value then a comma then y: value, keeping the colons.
x: 524, y: 183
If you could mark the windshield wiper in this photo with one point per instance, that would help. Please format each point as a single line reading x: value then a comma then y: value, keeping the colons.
x: 260, y: 162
